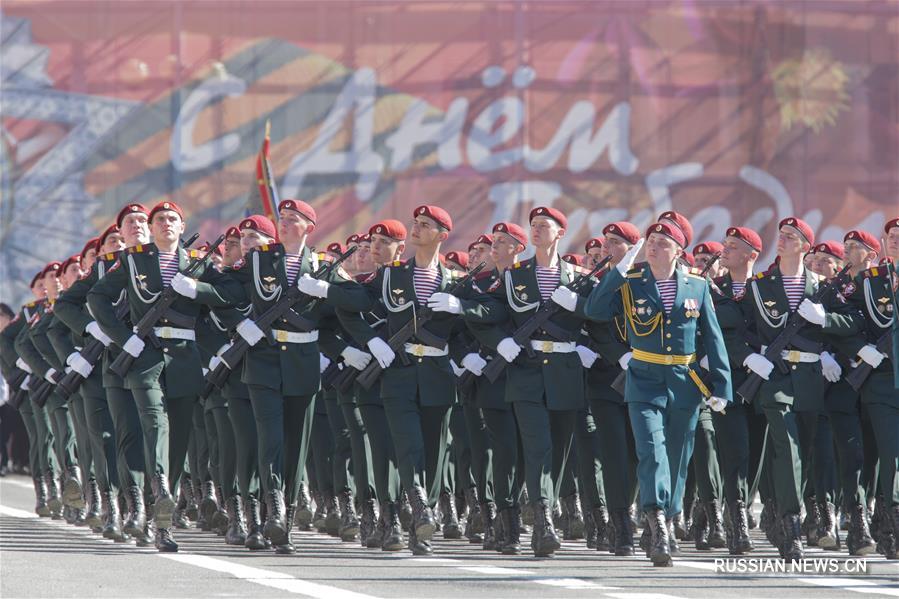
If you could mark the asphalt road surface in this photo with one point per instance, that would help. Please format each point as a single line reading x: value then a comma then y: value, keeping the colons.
x: 44, y: 558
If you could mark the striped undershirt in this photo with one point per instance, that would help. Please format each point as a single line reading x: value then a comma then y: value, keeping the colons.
x: 548, y: 278
x: 667, y: 291
x: 738, y: 287
x: 292, y: 264
x: 425, y: 281
x: 794, y: 287
x: 168, y: 266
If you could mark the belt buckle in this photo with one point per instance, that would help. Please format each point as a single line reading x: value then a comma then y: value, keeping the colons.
x: 546, y: 347
x: 165, y: 332
x: 418, y: 350
x: 669, y: 360
x: 794, y: 356
x: 281, y: 336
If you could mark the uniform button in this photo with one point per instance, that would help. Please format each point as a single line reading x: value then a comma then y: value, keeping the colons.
x: 668, y: 321
x: 283, y: 320
x: 668, y: 348
x: 165, y: 350
x: 283, y: 348
x: 419, y: 360
x: 794, y: 367
x: 668, y: 335
x: 546, y: 361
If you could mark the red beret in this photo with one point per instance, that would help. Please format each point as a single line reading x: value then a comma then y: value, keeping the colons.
x: 232, y: 232
x: 865, y: 238
x: 109, y: 231
x: 460, y: 258
x: 486, y: 239
x: 166, y: 206
x: 708, y: 247
x: 37, y: 277
x: 364, y: 238
x: 335, y: 247
x: 393, y: 229
x: 669, y: 230
x: 76, y: 259
x: 52, y: 267
x: 801, y: 226
x: 303, y: 208
x: 548, y: 212
x: 595, y: 242
x: 834, y: 248
x: 746, y: 235
x: 682, y: 222
x: 354, y: 238
x: 623, y: 229
x: 689, y: 259
x: 437, y: 214
x: 128, y: 209
x: 512, y: 230
x: 259, y: 223
x: 573, y: 259
x: 92, y: 244
x: 890, y: 224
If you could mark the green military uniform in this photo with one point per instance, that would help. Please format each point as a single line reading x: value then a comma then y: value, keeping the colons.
x: 166, y: 377
x: 663, y: 389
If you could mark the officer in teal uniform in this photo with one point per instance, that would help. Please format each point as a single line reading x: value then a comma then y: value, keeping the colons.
x: 663, y: 389
x: 166, y: 376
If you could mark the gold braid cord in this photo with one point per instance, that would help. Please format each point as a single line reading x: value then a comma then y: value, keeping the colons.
x: 641, y: 328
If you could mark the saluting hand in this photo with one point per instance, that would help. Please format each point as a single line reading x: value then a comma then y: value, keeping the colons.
x: 630, y: 256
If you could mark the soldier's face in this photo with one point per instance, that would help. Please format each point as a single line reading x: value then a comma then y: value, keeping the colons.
x: 545, y: 231
x: 827, y: 265
x: 385, y: 249
x: 790, y: 242
x: 480, y: 252
x: 134, y: 229
x: 38, y: 289
x: 810, y: 262
x: 72, y: 274
x: 426, y: 232
x: 858, y: 253
x: 232, y: 251
x: 736, y: 253
x: 167, y: 226
x: 363, y: 257
x: 87, y: 261
x: 250, y: 238
x: 616, y: 247
x: 51, y: 284
x: 661, y: 250
x: 593, y: 256
x: 893, y: 244
x: 504, y: 248
x: 115, y: 242
x: 293, y: 227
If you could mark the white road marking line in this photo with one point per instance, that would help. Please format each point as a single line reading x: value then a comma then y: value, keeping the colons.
x: 852, y: 584
x: 16, y: 513
x: 573, y: 584
x: 642, y: 596
x: 18, y: 483
x: 710, y: 566
x: 269, y: 578
x: 496, y: 570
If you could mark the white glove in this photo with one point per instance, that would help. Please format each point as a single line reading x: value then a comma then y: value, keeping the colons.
x: 94, y: 330
x: 356, y: 358
x: 133, y: 346
x: 25, y: 382
x: 381, y: 351
x: 456, y: 369
x: 184, y: 286
x: 587, y: 355
x: 214, y: 361
x: 247, y: 329
x: 313, y: 287
x: 71, y: 357
x: 23, y: 365
x: 624, y: 360
x: 508, y: 349
x: 630, y: 256
x: 445, y: 302
x: 717, y: 404
x: 51, y: 372
x: 830, y: 368
x: 323, y: 362
x: 812, y: 312
x: 474, y: 363
x: 704, y: 363
x: 205, y: 371
x: 868, y: 353
x: 565, y: 297
x: 759, y: 364
x: 80, y: 365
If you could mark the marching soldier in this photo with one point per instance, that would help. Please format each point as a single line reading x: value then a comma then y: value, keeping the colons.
x: 665, y: 307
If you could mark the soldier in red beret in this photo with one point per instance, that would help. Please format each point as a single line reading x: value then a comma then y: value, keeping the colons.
x: 457, y: 260
x: 703, y: 253
x: 593, y: 251
x: 829, y: 257
x: 681, y: 222
x: 479, y: 251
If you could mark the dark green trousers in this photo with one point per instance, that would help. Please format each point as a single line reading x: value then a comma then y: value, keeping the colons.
x: 846, y: 428
x: 882, y: 402
x: 41, y: 457
x: 198, y: 447
x: 541, y: 430
x: 322, y: 450
x: 817, y: 454
x: 102, y: 434
x: 222, y: 445
x: 458, y: 475
x: 342, y: 454
x: 705, y: 459
x: 361, y: 451
x: 732, y: 443
x: 126, y: 423
x: 383, y: 455
x: 167, y: 425
x: 246, y: 444
x: 63, y: 431
x: 786, y: 464
x: 481, y: 450
x: 83, y: 449
x: 282, y: 424
x: 583, y: 471
x: 502, y: 431
x: 616, y: 452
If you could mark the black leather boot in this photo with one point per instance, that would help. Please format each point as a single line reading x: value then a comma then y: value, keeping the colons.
x: 191, y: 490
x: 449, y: 517
x: 810, y: 525
x: 304, y: 508
x: 319, y: 516
x: 237, y: 527
x: 165, y: 541
x: 423, y: 522
x: 54, y: 499
x: 287, y: 547
x: 511, y: 538
x: 601, y: 521
x: 349, y: 521
x: 93, y: 515
x: 73, y: 489
x: 368, y: 525
x: 624, y: 535
x: 275, y: 529
x: 739, y: 522
x: 681, y: 524
x: 147, y: 537
x: 792, y: 537
x: 163, y: 504
x: 112, y: 528
x: 487, y: 511
x: 499, y: 532
x: 207, y: 505
x: 405, y: 511
x: 828, y: 533
x: 660, y: 542
x: 332, y: 516
x: 419, y: 546
x: 546, y: 541
x: 575, y: 525
x: 474, y: 524
x: 715, y: 521
x: 859, y: 540
x: 393, y: 529
x: 220, y: 516
x: 136, y: 519
x: 673, y: 545
x: 40, y: 497
x: 255, y: 540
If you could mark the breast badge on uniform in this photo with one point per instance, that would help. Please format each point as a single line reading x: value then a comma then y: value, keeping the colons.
x: 269, y: 284
x: 141, y: 282
x: 692, y: 308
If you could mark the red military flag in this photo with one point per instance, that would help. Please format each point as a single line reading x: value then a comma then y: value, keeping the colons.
x: 263, y: 196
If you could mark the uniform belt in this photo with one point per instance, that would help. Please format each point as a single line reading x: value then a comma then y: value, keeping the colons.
x: 794, y: 356
x: 553, y: 347
x: 294, y: 337
x: 173, y: 333
x: 664, y: 359
x: 417, y: 349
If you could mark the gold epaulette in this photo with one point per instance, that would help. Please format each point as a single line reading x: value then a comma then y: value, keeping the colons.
x: 137, y: 249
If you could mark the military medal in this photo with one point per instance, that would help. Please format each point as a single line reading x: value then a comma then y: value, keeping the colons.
x: 524, y: 296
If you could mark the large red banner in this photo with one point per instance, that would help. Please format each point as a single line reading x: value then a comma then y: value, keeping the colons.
x: 733, y: 113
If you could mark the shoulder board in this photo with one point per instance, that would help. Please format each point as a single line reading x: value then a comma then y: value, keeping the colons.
x: 693, y: 270
x: 137, y: 249
x: 695, y: 276
x: 194, y: 253
x: 517, y: 265
x: 397, y: 263
x: 268, y: 247
x: 110, y: 256
x: 31, y: 304
x: 635, y: 274
x: 874, y: 272
x: 761, y: 275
